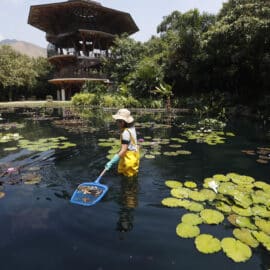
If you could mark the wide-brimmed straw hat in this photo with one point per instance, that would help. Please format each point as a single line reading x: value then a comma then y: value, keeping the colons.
x: 123, y: 114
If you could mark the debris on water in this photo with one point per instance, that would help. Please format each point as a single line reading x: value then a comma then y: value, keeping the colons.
x: 92, y: 190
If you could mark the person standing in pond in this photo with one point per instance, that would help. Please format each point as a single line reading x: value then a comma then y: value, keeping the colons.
x: 128, y: 158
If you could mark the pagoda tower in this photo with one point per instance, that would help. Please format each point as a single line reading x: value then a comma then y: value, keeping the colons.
x: 80, y: 33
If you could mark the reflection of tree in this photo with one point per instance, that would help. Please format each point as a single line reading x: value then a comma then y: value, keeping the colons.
x: 128, y: 202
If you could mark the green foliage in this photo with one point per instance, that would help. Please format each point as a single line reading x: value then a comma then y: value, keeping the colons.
x: 125, y: 54
x: 22, y: 75
x: 83, y: 99
x: 237, y: 48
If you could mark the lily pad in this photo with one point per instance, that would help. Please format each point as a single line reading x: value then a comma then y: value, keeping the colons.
x: 223, y: 207
x: 173, y: 184
x: 195, y: 207
x: 263, y: 224
x: 245, y: 236
x: 242, y: 222
x: 235, y: 249
x: 211, y: 216
x: 187, y: 231
x: 192, y: 219
x: 190, y: 184
x: 207, y: 244
x: 263, y: 238
x: 180, y: 192
x: 246, y: 212
x: 170, y: 202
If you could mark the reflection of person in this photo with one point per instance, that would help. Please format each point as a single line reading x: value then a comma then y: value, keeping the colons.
x: 128, y: 202
x: 128, y: 156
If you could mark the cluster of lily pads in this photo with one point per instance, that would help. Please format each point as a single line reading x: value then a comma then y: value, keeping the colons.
x: 243, y: 200
x: 112, y: 143
x: 149, y: 147
x: 45, y: 144
x: 207, y: 136
x: 40, y: 145
x: 74, y: 125
x: 152, y: 147
x: 11, y: 125
x: 9, y: 137
x: 13, y: 176
x: 262, y: 154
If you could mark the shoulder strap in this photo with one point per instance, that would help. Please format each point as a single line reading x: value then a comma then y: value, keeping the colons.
x: 131, y: 137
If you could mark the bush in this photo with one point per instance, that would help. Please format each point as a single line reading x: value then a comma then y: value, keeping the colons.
x: 83, y: 99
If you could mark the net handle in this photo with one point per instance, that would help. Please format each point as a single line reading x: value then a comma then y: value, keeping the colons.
x: 98, y: 179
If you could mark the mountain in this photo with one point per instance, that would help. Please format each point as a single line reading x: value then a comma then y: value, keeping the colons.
x: 24, y: 47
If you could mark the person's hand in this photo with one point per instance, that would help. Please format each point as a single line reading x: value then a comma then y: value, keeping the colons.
x: 113, y: 161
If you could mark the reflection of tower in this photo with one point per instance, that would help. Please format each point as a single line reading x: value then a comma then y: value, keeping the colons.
x: 128, y: 202
x: 79, y: 33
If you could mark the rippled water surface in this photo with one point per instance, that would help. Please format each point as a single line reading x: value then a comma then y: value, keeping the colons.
x: 129, y: 228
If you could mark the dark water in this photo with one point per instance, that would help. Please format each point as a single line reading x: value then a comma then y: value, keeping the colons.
x: 129, y: 228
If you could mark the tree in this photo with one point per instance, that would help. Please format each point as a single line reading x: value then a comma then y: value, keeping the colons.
x: 238, y: 48
x: 183, y: 34
x: 125, y: 54
x: 16, y: 70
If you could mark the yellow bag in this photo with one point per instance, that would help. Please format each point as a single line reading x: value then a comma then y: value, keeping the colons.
x: 129, y: 164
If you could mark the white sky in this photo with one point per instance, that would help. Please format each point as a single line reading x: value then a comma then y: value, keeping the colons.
x: 146, y: 13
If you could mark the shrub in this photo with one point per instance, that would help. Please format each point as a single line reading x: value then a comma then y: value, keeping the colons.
x: 83, y: 99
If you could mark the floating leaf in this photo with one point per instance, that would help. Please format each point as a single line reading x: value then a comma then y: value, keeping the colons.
x: 261, y: 197
x: 210, y: 216
x: 209, y: 194
x: 243, y: 222
x: 262, y: 185
x: 195, y: 207
x: 246, y: 237
x: 187, y: 231
x: 242, y: 199
x: 190, y: 184
x: 10, y: 148
x: 263, y: 238
x: 246, y: 212
x: 2, y: 194
x: 236, y: 250
x: 180, y: 192
x: 260, y: 210
x: 223, y: 207
x: 192, y: 219
x: 183, y: 152
x: 207, y: 244
x: 170, y: 202
x: 149, y: 156
x: 262, y: 224
x: 173, y: 184
x: 221, y: 177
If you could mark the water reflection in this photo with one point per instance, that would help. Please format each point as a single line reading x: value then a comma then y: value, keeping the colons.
x: 128, y: 202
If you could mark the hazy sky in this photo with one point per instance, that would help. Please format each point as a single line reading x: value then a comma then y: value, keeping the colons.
x: 146, y: 13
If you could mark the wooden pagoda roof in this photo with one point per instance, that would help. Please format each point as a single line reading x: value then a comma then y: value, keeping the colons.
x: 68, y: 39
x: 75, y: 81
x: 69, y: 16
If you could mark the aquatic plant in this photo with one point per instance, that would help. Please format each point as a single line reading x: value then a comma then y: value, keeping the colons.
x: 243, y: 200
x: 192, y: 219
x: 207, y: 244
x: 206, y: 136
x: 185, y: 230
x: 9, y: 137
x: 211, y: 216
x: 235, y: 249
x: 46, y: 144
x: 262, y: 154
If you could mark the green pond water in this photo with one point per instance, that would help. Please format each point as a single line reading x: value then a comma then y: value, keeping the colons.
x: 129, y: 228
